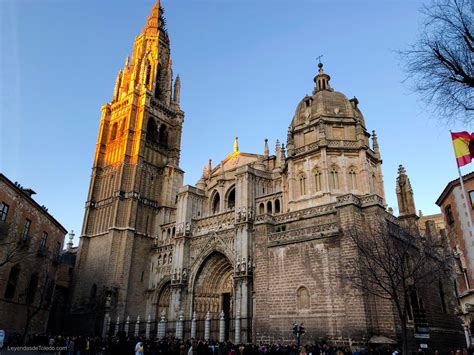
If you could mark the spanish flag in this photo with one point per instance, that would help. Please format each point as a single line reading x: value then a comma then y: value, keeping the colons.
x: 463, y: 144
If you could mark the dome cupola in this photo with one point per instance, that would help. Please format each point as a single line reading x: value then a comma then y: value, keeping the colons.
x: 321, y: 80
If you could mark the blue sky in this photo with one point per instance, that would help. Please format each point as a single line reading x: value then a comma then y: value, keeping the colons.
x: 244, y: 66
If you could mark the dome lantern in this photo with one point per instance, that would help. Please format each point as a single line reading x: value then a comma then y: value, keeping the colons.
x: 321, y: 80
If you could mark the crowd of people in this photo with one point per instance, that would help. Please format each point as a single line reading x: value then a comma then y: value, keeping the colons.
x: 123, y: 345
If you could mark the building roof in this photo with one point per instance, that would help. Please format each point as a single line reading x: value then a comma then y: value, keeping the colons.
x: 451, y: 185
x: 26, y: 195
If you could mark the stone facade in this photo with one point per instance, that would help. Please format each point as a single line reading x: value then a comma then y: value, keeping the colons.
x: 30, y: 244
x: 258, y: 241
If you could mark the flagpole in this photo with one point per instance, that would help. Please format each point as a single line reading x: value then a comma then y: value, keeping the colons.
x: 468, y: 204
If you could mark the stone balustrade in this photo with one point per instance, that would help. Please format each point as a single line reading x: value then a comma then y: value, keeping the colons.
x: 302, y: 234
x: 213, y: 223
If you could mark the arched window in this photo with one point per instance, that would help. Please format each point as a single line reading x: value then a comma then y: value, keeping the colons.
x: 277, y: 206
x: 303, y: 299
x: 170, y: 258
x: 269, y: 207
x: 113, y: 132
x: 231, y: 199
x: 352, y: 179
x: 173, y: 232
x: 317, y: 181
x: 148, y: 75
x: 158, y: 84
x: 159, y: 261
x: 302, y: 184
x: 152, y: 130
x: 216, y: 203
x: 261, y: 209
x: 165, y: 259
x: 334, y: 178
x: 168, y: 233
x: 163, y: 136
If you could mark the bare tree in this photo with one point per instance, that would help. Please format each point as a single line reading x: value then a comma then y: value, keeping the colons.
x: 440, y: 63
x: 393, y: 265
x: 12, y: 248
x: 38, y: 294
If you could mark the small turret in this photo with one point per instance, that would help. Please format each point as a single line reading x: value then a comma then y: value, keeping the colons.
x: 277, y: 152
x: 176, y: 91
x: 375, y: 144
x: 209, y: 167
x: 282, y: 156
x: 290, y: 141
x: 406, y: 203
x: 236, y: 145
x: 265, y: 149
x: 118, y: 84
x: 70, y: 243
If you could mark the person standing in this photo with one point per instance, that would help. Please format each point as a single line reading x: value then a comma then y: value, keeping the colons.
x: 139, y: 348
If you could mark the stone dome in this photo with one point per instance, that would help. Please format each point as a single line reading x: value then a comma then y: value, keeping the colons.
x: 325, y: 102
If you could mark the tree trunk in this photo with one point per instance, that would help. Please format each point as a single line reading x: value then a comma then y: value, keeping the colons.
x: 404, y: 337
x: 403, y: 323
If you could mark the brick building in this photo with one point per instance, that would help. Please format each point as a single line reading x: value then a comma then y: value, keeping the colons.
x: 256, y: 244
x: 31, y: 243
x: 458, y: 214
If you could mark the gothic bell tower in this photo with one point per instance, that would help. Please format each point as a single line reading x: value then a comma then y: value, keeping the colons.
x: 134, y: 183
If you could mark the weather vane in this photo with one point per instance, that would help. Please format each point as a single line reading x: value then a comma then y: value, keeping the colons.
x: 319, y: 58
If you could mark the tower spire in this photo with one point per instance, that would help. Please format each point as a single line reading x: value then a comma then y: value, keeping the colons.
x: 153, y: 21
x: 406, y: 202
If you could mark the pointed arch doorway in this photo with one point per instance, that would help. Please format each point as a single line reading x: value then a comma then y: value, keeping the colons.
x: 214, y: 293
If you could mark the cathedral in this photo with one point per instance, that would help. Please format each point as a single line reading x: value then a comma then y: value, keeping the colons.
x: 257, y: 244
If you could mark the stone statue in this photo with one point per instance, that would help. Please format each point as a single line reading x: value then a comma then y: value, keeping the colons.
x: 244, y: 213
x: 243, y: 265
x: 239, y: 214
x: 185, y: 275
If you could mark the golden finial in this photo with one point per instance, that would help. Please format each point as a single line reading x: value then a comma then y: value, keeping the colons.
x: 236, y: 144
